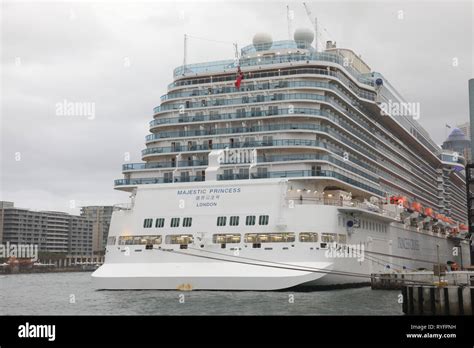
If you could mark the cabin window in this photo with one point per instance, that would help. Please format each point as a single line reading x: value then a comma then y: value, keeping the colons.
x: 111, y: 240
x: 175, y: 222
x: 250, y: 220
x: 309, y: 237
x: 243, y: 173
x: 187, y: 221
x: 234, y: 221
x: 342, y: 238
x: 160, y: 222
x: 139, y: 240
x: 270, y: 237
x: 182, y: 239
x: 221, y: 220
x: 147, y: 223
x: 263, y: 220
x: 225, y: 238
x: 328, y: 237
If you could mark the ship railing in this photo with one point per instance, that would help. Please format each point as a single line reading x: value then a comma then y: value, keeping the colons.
x: 375, y: 208
x: 224, y: 65
x: 122, y: 206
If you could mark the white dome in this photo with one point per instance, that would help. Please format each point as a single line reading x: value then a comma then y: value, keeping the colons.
x: 303, y: 37
x: 262, y: 41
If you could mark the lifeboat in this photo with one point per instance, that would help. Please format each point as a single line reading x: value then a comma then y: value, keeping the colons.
x: 401, y: 201
x: 440, y: 222
x: 463, y: 230
x: 416, y: 207
x: 453, y: 233
x: 429, y: 212
x: 428, y: 215
x: 416, y: 217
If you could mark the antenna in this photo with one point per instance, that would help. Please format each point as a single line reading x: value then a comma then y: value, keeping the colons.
x: 236, y: 49
x: 289, y: 19
x: 185, y: 51
x: 315, y: 24
x: 186, y: 39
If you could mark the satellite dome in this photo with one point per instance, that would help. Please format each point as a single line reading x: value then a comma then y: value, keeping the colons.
x: 303, y: 37
x: 262, y: 41
x: 457, y: 135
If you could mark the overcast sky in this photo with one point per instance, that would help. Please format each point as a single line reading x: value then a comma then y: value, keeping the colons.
x: 120, y: 56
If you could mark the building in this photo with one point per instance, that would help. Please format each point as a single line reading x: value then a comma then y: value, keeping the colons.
x: 100, y: 217
x: 52, y: 231
x: 459, y: 142
x: 466, y: 129
x: 80, y: 236
x: 471, y: 110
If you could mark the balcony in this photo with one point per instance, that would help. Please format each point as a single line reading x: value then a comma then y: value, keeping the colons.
x: 208, y: 102
x: 268, y: 87
x: 262, y: 175
x: 170, y: 164
x: 238, y: 115
x: 237, y: 130
x: 224, y: 65
x: 244, y: 144
x: 162, y: 180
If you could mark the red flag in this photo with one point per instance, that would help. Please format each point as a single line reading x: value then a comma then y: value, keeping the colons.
x: 239, y: 79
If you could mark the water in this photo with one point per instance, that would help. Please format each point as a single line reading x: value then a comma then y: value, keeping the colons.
x: 52, y: 294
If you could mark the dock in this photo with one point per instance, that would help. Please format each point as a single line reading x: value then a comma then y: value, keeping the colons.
x: 438, y: 300
x: 430, y: 293
x: 397, y: 280
x: 66, y: 264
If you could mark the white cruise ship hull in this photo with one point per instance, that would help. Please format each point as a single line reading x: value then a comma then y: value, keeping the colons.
x: 383, y: 243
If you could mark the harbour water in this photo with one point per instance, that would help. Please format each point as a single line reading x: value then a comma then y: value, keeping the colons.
x: 73, y: 294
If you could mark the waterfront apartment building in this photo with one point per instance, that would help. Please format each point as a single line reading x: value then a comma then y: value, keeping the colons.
x: 100, y: 217
x: 52, y: 231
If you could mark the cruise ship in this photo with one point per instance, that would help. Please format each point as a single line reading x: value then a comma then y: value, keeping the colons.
x: 284, y: 167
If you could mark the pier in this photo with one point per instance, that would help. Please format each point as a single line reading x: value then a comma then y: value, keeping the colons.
x: 430, y: 293
x: 67, y: 264
x: 438, y: 300
x: 397, y: 281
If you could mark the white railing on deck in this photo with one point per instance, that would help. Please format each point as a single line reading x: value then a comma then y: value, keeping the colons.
x: 342, y: 203
x: 123, y: 206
